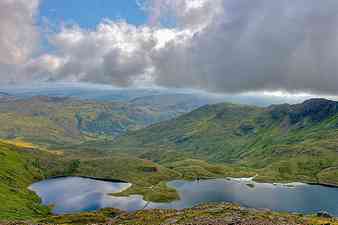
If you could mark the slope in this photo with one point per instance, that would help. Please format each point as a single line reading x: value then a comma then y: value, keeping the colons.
x: 281, y: 142
x: 18, y: 169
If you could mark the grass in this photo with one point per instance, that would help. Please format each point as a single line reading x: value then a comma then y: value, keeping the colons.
x: 159, y: 192
x: 19, y: 168
x: 103, y: 216
x: 17, y: 172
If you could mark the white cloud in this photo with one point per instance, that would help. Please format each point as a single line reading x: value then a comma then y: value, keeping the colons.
x: 115, y: 53
x: 19, y: 35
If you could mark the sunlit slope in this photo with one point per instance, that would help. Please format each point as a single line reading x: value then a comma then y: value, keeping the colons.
x: 218, y: 132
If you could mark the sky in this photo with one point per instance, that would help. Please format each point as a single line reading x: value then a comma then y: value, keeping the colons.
x: 89, y: 13
x: 218, y: 46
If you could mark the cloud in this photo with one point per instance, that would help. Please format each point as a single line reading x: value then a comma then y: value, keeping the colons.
x: 187, y: 14
x: 116, y: 53
x: 258, y: 45
x: 19, y: 37
x: 229, y: 46
x: 19, y: 34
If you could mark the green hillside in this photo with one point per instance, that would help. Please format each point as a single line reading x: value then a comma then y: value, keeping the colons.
x: 280, y: 143
x: 18, y: 169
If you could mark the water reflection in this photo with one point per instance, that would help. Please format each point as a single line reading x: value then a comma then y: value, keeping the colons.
x: 75, y: 194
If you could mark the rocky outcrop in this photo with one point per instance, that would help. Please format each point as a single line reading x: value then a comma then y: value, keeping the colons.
x: 313, y: 110
x: 316, y: 110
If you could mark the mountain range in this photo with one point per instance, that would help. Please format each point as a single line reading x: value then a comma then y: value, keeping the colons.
x: 69, y: 120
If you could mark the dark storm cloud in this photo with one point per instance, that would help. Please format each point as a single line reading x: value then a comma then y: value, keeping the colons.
x: 258, y: 45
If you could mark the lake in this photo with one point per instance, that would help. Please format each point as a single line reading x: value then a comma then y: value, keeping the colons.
x: 75, y: 194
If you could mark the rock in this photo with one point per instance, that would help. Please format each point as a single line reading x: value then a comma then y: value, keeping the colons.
x: 316, y: 110
x: 171, y: 221
x: 324, y: 214
x: 149, y: 169
x: 250, y: 185
x: 246, y: 128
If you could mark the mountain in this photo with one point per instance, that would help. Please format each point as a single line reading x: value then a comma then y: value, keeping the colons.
x: 174, y: 103
x: 280, y: 142
x: 59, y: 120
x: 101, y: 92
x: 67, y: 120
x: 76, y: 90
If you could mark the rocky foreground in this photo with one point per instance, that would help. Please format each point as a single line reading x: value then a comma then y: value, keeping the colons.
x: 222, y: 214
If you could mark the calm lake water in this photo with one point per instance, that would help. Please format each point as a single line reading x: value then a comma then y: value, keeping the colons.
x: 74, y: 194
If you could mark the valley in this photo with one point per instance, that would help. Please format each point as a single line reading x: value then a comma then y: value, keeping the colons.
x: 52, y: 121
x: 280, y: 143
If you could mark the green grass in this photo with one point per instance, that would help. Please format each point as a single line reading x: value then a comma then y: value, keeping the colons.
x: 159, y: 192
x: 191, y: 169
x: 20, y: 167
x: 17, y: 172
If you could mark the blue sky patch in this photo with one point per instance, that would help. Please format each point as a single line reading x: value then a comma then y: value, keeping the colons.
x: 89, y: 13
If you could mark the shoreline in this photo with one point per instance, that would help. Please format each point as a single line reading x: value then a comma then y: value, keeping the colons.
x: 91, y: 178
x: 323, y: 184
x: 241, y: 179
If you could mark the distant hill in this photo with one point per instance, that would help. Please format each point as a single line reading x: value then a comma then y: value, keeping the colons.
x: 60, y: 120
x: 6, y: 97
x: 282, y: 142
x: 174, y: 103
x: 101, y: 92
